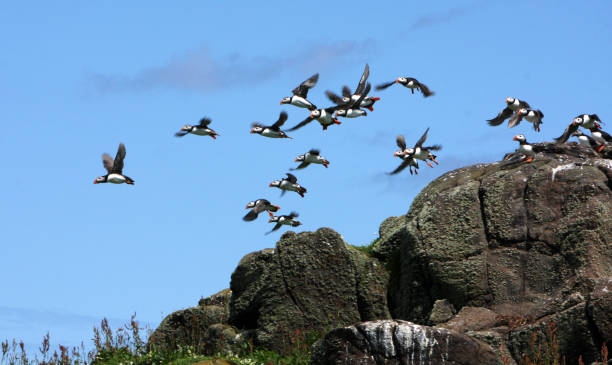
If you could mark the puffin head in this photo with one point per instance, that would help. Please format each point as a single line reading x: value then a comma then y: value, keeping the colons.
x: 300, y: 158
x: 257, y: 129
x: 273, y: 219
x: 578, y: 121
x: 523, y: 112
x: 286, y: 100
x: 519, y: 138
x: 100, y: 179
x: 401, y: 80
x: 250, y: 205
x: 509, y: 100
x: 398, y: 153
x: 346, y: 99
x: 275, y: 183
x: 341, y: 113
x: 186, y: 128
x: 315, y: 113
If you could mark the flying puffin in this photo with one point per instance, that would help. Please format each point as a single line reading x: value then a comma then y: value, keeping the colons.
x: 524, y: 148
x: 289, y: 183
x: 532, y: 116
x: 200, y: 129
x: 114, y: 168
x: 588, y: 141
x: 284, y: 220
x: 324, y: 116
x: 272, y: 131
x: 352, y: 110
x: 309, y: 157
x: 587, y: 121
x: 419, y: 152
x: 512, y: 105
x: 410, y: 83
x: 407, y: 161
x: 301, y: 92
x: 258, y: 206
x: 348, y: 96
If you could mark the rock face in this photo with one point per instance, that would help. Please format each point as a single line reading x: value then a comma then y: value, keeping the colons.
x: 527, y: 241
x: 395, y: 342
x: 310, y: 283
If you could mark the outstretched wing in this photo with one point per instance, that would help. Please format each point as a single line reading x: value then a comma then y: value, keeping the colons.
x: 301, y: 124
x: 401, y: 142
x: 314, y: 152
x: 362, y: 81
x: 277, y: 226
x: 301, y: 166
x: 293, y: 215
x: 499, y: 119
x: 204, y: 122
x: 282, y: 118
x: 291, y: 178
x: 422, y: 139
x: 567, y: 133
x: 118, y: 164
x: 402, y: 166
x: 250, y: 216
x: 346, y: 91
x: 302, y: 90
x: 384, y: 86
x: 435, y: 147
x: 365, y: 92
x: 334, y: 98
x: 515, y: 119
x: 108, y: 162
x: 425, y: 90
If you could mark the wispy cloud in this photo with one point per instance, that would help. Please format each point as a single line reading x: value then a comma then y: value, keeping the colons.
x: 200, y: 70
x: 442, y: 17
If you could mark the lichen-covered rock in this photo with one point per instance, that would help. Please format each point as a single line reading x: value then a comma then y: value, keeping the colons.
x: 309, y: 283
x: 395, y: 342
x: 223, y: 339
x: 442, y: 311
x: 472, y: 319
x: 220, y: 299
x: 186, y: 327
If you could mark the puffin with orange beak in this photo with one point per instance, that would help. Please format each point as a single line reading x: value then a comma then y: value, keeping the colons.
x: 200, y: 130
x: 272, y: 131
x: 410, y: 83
x: 114, y: 168
x: 258, y: 206
x: 324, y: 116
x: 309, y: 157
x: 301, y: 92
x: 284, y: 220
x: 349, y: 97
x: 525, y: 148
x: 587, y: 121
x: 512, y: 105
x: 288, y: 184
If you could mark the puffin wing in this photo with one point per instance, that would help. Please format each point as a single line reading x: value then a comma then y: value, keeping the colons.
x: 405, y: 163
x: 314, y: 152
x: 301, y: 124
x: 302, y: 90
x: 362, y: 81
x: 277, y: 226
x: 118, y: 163
x: 515, y: 119
x: 567, y: 133
x: 499, y: 119
x: 365, y: 92
x: 291, y: 178
x: 301, y: 166
x: 607, y: 137
x: 177, y: 134
x: 422, y: 139
x: 250, y: 216
x: 334, y: 98
x: 425, y: 90
x: 346, y: 91
x: 524, y: 104
x: 401, y: 142
x: 293, y: 215
x: 384, y: 86
x: 204, y: 122
x: 282, y: 118
x: 435, y: 147
x: 108, y: 162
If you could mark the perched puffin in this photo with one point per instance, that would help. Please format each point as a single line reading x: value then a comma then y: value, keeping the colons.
x: 410, y: 83
x: 352, y: 110
x: 309, y: 157
x: 301, y: 92
x: 349, y: 97
x: 512, y: 105
x: 525, y: 148
x: 272, y: 131
x: 284, y: 220
x: 587, y: 140
x: 587, y: 121
x: 324, y: 116
x: 199, y: 130
x: 288, y: 183
x: 532, y: 116
x: 601, y: 137
x: 258, y: 206
x: 114, y: 168
x: 418, y: 151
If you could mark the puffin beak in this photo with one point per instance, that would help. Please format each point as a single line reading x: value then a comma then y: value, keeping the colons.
x: 281, y: 102
x: 276, y: 206
x: 270, y: 221
x: 296, y: 160
x: 514, y: 138
x: 271, y: 185
x: 247, y: 207
x: 252, y: 131
x: 95, y: 181
x: 396, y: 81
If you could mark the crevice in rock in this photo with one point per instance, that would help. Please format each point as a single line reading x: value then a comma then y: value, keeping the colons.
x: 607, y: 173
x: 483, y: 216
x: 597, y: 336
x: 287, y: 290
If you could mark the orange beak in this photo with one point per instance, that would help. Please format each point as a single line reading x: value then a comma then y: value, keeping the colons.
x: 275, y: 206
x: 514, y: 138
x: 397, y: 80
x: 271, y: 185
x: 252, y: 131
x: 95, y: 181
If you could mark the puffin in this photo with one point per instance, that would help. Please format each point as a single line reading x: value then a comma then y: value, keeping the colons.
x: 407, y: 161
x: 601, y: 137
x: 348, y: 96
x: 258, y: 206
x: 288, y: 183
x: 272, y: 131
x: 312, y: 156
x: 284, y: 220
x: 419, y: 152
x: 324, y: 116
x: 531, y: 115
x: 512, y: 105
x: 352, y: 110
x: 588, y: 141
x: 525, y: 148
x: 301, y: 92
x: 200, y: 130
x: 114, y: 168
x: 587, y: 121
x: 410, y: 83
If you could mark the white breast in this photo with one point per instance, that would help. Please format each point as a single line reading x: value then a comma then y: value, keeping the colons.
x: 314, y: 159
x: 354, y: 113
x: 286, y: 185
x: 115, y: 179
x: 300, y: 102
x: 201, y: 131
x: 526, y: 149
x: 270, y: 133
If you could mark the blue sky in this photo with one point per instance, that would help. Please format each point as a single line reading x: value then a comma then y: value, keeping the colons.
x: 78, y: 78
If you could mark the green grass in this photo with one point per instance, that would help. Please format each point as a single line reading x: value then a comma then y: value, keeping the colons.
x: 367, y: 249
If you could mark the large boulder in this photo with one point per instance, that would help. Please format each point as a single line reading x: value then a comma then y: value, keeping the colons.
x: 310, y: 283
x: 525, y: 240
x: 395, y: 342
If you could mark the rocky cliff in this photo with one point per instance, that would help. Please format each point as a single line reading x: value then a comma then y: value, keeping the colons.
x: 491, y: 255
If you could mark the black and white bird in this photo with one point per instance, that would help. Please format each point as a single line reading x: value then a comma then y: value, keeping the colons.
x: 324, y: 116
x: 587, y: 121
x: 258, y: 206
x: 281, y: 220
x: 587, y: 141
x: 288, y: 184
x: 352, y: 110
x: 532, y: 116
x: 419, y: 152
x: 300, y: 94
x: 512, y: 105
x: 200, y: 130
x: 114, y: 168
x: 603, y: 138
x: 410, y: 83
x: 348, y: 96
x: 272, y: 131
x: 407, y: 161
x: 312, y: 156
x: 524, y: 148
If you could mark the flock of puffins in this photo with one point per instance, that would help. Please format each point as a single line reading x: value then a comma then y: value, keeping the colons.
x: 352, y: 105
